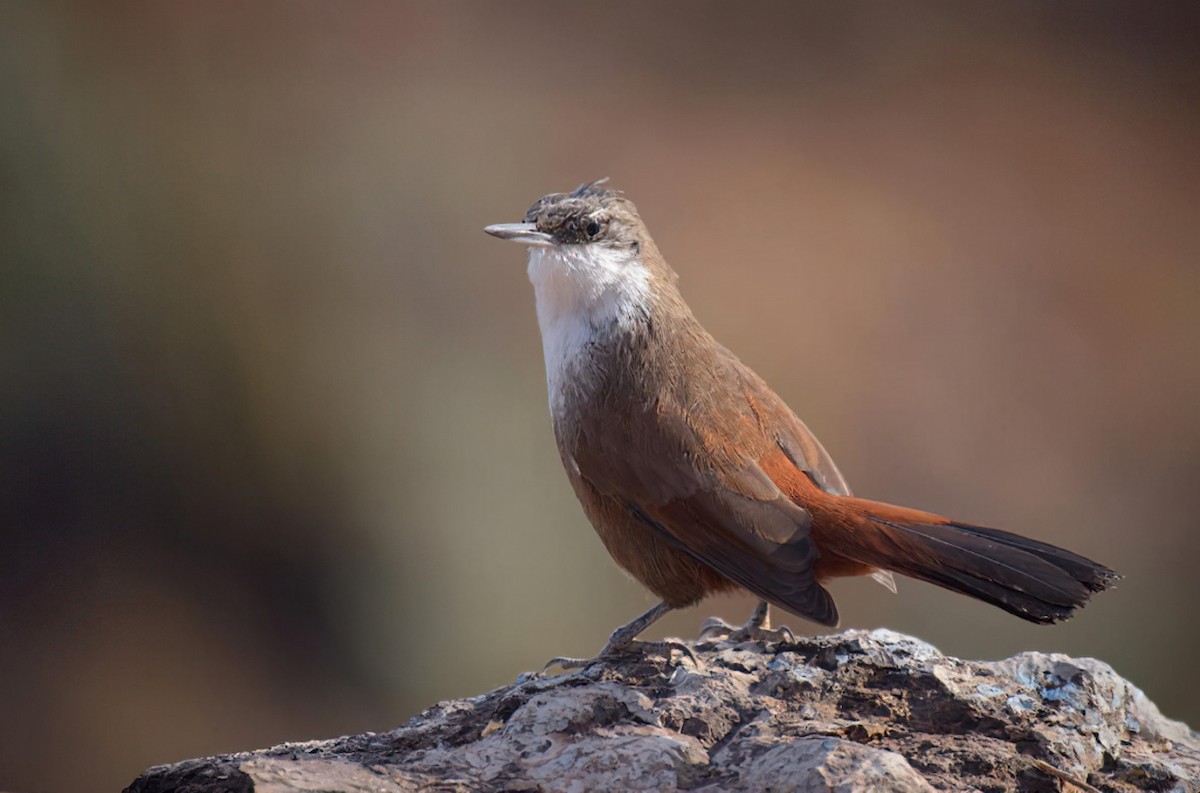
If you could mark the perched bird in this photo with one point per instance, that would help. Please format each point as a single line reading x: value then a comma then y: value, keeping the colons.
x: 696, y: 475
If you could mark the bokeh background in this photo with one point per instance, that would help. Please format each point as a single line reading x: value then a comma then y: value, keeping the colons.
x: 275, y: 461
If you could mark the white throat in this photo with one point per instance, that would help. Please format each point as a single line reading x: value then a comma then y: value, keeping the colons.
x: 585, y: 294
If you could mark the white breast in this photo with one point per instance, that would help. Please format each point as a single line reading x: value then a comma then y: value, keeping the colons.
x: 585, y: 294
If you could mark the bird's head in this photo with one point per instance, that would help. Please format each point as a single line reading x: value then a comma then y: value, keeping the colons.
x: 589, y: 215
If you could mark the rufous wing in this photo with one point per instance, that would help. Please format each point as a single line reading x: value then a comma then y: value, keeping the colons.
x: 745, y: 528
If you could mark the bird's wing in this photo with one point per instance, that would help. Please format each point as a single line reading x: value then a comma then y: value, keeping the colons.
x: 705, y: 492
x: 802, y: 450
x: 746, y: 529
x: 791, y: 435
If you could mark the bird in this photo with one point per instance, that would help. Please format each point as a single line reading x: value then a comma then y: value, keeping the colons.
x: 698, y: 478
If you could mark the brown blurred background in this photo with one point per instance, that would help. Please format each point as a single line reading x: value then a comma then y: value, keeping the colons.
x: 275, y: 461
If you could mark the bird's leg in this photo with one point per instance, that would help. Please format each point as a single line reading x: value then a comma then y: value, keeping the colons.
x: 757, y: 628
x: 621, y: 638
x: 760, y: 618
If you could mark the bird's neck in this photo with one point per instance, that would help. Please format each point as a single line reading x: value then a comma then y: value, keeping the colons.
x: 588, y: 297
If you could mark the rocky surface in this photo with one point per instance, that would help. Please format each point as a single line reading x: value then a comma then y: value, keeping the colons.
x: 852, y: 711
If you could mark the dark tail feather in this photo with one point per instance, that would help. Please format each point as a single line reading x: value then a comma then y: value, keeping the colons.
x: 1033, y: 580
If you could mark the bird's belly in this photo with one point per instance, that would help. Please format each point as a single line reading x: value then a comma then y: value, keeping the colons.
x: 668, y: 572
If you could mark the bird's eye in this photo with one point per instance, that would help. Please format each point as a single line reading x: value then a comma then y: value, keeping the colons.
x: 592, y: 228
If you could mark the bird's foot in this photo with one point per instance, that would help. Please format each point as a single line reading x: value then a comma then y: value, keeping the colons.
x: 612, y: 651
x: 716, y: 629
x: 567, y: 664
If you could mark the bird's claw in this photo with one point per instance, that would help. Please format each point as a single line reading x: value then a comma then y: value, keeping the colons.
x: 716, y: 629
x: 571, y: 664
x: 684, y: 649
x: 568, y: 664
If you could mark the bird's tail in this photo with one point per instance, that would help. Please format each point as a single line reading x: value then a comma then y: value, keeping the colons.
x: 1033, y: 580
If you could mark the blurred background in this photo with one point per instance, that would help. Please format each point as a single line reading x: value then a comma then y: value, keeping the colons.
x: 275, y: 459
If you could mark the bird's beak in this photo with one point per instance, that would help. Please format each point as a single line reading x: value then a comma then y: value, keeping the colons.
x: 524, y: 233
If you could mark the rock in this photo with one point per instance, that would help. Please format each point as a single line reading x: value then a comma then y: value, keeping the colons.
x: 849, y: 712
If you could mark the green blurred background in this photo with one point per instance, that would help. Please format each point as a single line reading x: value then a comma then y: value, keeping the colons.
x: 275, y: 461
